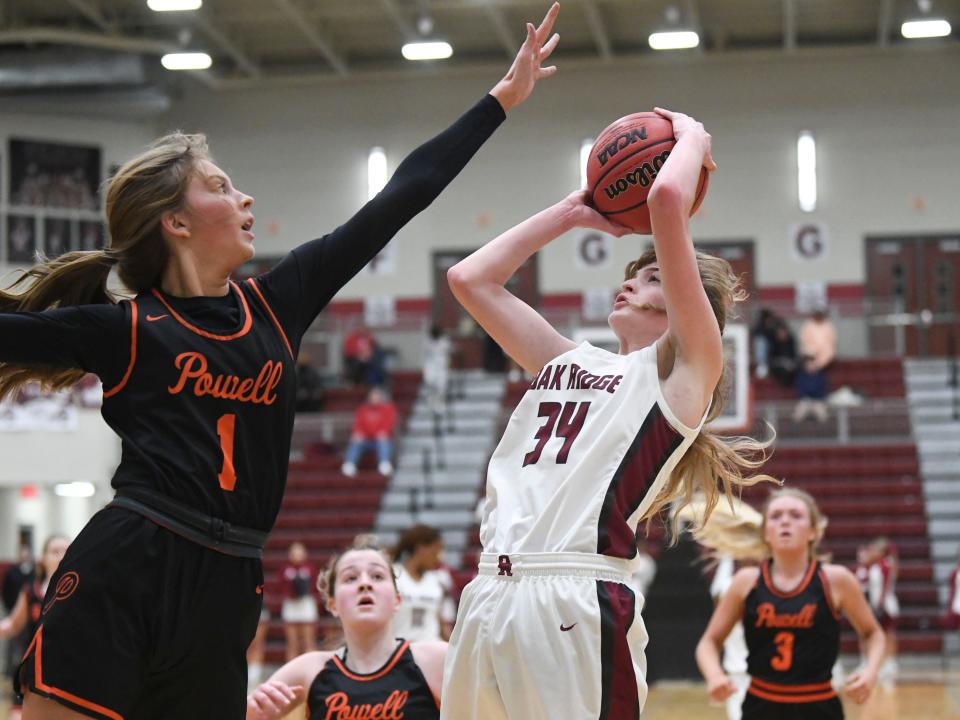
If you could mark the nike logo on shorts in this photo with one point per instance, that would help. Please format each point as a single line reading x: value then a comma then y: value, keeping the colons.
x: 567, y: 628
x: 154, y: 318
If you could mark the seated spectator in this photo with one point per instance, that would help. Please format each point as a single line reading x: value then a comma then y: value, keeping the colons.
x: 818, y: 349
x: 774, y: 350
x: 373, y: 427
x: 309, y: 384
x: 436, y: 370
x: 359, y: 348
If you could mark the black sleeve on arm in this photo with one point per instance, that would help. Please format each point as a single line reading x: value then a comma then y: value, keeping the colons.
x: 94, y: 338
x: 305, y: 281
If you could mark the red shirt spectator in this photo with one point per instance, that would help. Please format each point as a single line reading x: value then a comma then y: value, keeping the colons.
x: 375, y: 419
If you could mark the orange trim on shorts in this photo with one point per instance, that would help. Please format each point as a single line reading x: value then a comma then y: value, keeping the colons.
x: 180, y: 319
x: 796, y: 591
x: 777, y: 687
x: 791, y: 699
x: 386, y: 668
x: 256, y: 289
x: 133, y: 352
x: 57, y: 692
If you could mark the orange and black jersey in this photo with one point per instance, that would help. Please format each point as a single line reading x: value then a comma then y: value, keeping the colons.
x: 201, y: 390
x: 397, y: 690
x: 793, y: 638
x: 34, y: 593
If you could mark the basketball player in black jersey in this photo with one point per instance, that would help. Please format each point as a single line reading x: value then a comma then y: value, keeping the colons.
x: 790, y: 607
x: 26, y: 613
x: 375, y: 674
x: 163, y: 588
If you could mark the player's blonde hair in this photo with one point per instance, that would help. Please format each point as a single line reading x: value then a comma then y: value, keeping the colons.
x: 142, y: 190
x: 712, y: 463
x: 737, y: 530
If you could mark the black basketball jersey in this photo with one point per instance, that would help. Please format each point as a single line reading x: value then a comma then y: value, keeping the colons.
x: 397, y: 690
x: 793, y: 638
x: 217, y: 407
x: 34, y: 591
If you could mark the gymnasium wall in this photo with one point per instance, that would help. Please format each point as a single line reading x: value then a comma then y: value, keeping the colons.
x: 885, y: 123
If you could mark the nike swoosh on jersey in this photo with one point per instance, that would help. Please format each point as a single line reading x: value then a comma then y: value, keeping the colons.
x: 154, y: 318
x: 567, y: 628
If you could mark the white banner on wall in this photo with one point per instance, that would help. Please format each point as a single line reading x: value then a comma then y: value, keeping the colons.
x: 592, y: 251
x: 808, y: 241
x: 384, y: 262
x: 379, y: 310
x: 597, y: 303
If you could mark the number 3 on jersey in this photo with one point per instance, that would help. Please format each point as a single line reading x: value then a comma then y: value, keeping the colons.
x: 225, y: 428
x: 571, y: 417
x: 784, y: 657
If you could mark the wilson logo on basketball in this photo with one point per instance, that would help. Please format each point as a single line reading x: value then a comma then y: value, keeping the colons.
x: 339, y: 707
x: 622, y: 141
x: 767, y: 616
x: 642, y: 176
x: 258, y: 390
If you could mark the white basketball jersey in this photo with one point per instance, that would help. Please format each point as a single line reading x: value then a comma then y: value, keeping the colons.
x: 585, y: 453
x: 421, y: 602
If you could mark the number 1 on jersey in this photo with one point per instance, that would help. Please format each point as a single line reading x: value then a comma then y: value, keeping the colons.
x: 571, y: 418
x: 225, y: 427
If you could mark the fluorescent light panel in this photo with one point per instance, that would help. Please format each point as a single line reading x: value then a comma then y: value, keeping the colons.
x: 376, y: 171
x: 173, y: 5
x: 427, y: 50
x: 674, y: 40
x: 74, y: 489
x: 585, y: 147
x: 913, y: 29
x: 186, y: 61
x: 807, y: 171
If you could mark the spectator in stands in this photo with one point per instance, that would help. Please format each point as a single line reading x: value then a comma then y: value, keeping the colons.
x: 363, y: 358
x: 774, y: 349
x: 374, y: 674
x: 25, y: 615
x: 309, y: 384
x: 299, y: 609
x: 426, y: 610
x: 436, y: 371
x: 373, y: 427
x: 14, y: 580
x: 818, y: 349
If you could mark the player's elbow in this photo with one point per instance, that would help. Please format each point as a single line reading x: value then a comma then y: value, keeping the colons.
x: 460, y: 281
x: 665, y: 197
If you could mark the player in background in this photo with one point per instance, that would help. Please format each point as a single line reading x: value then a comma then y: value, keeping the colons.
x: 551, y: 627
x: 427, y: 611
x: 374, y: 674
x: 790, y: 608
x: 199, y: 383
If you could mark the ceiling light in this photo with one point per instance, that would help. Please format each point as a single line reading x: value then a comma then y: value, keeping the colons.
x: 173, y: 5
x: 674, y: 40
x: 186, y: 61
x: 376, y: 171
x: 913, y: 29
x: 807, y: 171
x: 427, y: 50
x: 74, y: 489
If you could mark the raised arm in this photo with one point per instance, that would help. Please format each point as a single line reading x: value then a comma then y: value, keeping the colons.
x: 728, y: 611
x: 694, y: 333
x: 478, y: 281
x: 851, y: 602
x: 318, y: 269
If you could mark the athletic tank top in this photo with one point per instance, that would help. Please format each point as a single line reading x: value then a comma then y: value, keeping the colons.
x: 585, y: 453
x: 204, y: 416
x: 418, y: 617
x: 397, y: 690
x: 793, y: 638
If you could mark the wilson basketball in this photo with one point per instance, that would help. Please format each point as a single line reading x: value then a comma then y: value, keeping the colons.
x: 623, y: 164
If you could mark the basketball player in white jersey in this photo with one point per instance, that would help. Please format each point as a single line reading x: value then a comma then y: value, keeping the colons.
x: 550, y: 629
x: 426, y: 610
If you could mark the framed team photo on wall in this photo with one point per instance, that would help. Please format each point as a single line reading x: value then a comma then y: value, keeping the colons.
x: 21, y: 238
x: 54, y: 175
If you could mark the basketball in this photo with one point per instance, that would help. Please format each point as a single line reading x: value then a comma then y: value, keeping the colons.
x: 623, y: 164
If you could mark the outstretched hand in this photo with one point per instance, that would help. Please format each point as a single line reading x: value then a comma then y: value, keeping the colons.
x: 583, y: 215
x: 686, y: 125
x: 527, y: 68
x: 273, y: 700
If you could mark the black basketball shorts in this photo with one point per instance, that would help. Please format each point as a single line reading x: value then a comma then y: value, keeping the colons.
x: 139, y: 623
x: 755, y: 708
